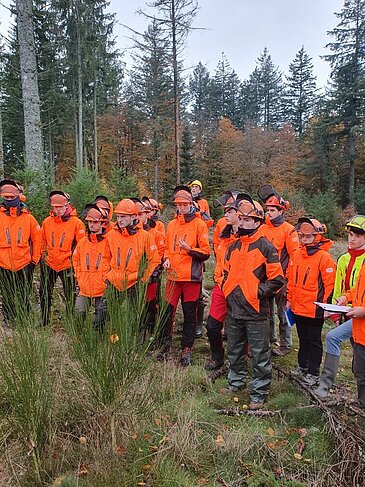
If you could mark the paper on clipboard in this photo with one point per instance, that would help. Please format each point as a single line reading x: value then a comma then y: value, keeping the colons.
x: 333, y: 308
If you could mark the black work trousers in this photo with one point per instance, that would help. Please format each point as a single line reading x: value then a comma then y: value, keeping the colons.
x: 47, y: 282
x: 359, y: 372
x: 16, y: 290
x: 310, y: 343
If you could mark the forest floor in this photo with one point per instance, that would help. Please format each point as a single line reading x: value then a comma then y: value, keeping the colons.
x: 173, y: 428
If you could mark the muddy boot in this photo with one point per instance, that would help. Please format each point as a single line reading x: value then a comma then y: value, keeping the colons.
x: 328, y: 375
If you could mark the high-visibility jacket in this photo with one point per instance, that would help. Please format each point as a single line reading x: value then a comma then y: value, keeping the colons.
x: 59, y: 238
x: 225, y: 240
x: 20, y: 238
x: 283, y: 237
x: 160, y: 227
x: 187, y: 266
x: 221, y: 223
x: 90, y: 265
x: 132, y: 254
x: 348, y: 266
x: 356, y: 296
x: 159, y: 239
x: 204, y: 211
x: 252, y: 275
x: 311, y: 277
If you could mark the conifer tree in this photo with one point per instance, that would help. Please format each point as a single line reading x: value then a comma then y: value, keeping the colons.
x: 300, y: 93
x: 348, y: 79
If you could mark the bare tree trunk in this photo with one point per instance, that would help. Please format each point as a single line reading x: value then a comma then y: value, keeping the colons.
x: 351, y: 145
x: 176, y: 92
x: 80, y: 122
x: 29, y: 78
x: 1, y: 149
x: 96, y: 155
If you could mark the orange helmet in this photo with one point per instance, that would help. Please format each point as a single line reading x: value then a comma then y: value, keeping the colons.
x: 272, y: 198
x: 126, y: 207
x: 310, y: 225
x: 59, y: 198
x: 93, y: 213
x: 248, y: 207
x: 182, y: 194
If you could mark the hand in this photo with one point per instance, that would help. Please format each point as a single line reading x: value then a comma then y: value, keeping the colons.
x: 184, y: 245
x: 167, y: 264
x: 327, y: 314
x: 356, y: 312
x: 341, y: 301
x: 287, y: 306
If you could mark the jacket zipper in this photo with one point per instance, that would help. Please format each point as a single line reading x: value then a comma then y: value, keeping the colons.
x: 7, y: 233
x: 98, y: 262
x: 118, y: 258
x: 306, y: 275
x: 88, y: 261
x: 62, y: 239
x: 52, y: 239
x: 175, y: 242
x: 20, y: 231
x: 128, y: 257
x: 296, y: 275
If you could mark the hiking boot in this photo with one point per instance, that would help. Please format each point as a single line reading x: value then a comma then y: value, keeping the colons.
x: 230, y: 390
x: 280, y: 351
x: 199, y: 330
x: 255, y: 406
x: 186, y: 356
x: 299, y: 373
x: 311, y: 380
x: 213, y: 364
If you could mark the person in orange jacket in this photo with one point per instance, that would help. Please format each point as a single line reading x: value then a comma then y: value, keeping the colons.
x: 252, y: 275
x: 61, y: 231
x: 356, y: 296
x: 91, y: 266
x: 153, y: 287
x: 128, y: 245
x: 187, y: 247
x: 218, y: 309
x: 311, y: 277
x: 20, y: 242
x: 285, y: 239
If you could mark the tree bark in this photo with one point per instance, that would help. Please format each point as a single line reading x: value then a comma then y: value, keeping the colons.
x: 80, y: 120
x: 96, y: 155
x: 1, y: 149
x: 176, y: 91
x: 29, y: 78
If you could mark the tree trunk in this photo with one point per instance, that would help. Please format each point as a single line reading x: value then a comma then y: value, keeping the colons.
x: 1, y: 149
x: 29, y: 78
x: 96, y: 155
x: 351, y: 147
x: 80, y: 122
x: 176, y: 91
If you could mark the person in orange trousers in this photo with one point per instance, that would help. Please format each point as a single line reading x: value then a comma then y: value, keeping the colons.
x: 356, y: 296
x: 61, y: 231
x: 187, y: 247
x: 20, y: 242
x: 91, y: 266
x: 311, y: 277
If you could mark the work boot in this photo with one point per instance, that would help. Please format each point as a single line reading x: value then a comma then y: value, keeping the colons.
x: 200, y: 317
x: 311, y: 380
x: 213, y: 364
x: 186, y: 356
x: 327, y: 379
x: 299, y: 373
x: 280, y: 351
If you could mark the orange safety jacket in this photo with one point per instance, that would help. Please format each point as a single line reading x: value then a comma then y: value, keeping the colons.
x: 252, y: 275
x: 20, y: 238
x: 356, y: 296
x: 187, y: 266
x: 159, y: 239
x: 126, y: 248
x: 227, y: 237
x: 160, y: 227
x: 204, y: 211
x: 59, y: 238
x: 284, y: 238
x: 311, y: 277
x: 90, y: 265
x: 221, y: 223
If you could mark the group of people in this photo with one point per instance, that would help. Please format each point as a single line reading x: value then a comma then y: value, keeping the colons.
x: 264, y: 266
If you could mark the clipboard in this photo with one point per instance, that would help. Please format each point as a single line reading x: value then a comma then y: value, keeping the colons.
x: 333, y: 308
x: 290, y: 318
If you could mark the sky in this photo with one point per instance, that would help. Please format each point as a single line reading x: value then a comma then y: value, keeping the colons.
x: 241, y: 29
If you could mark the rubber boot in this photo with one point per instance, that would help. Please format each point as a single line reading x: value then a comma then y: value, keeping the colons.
x: 200, y: 317
x: 328, y: 375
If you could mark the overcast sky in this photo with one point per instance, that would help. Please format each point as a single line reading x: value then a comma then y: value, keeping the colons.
x: 241, y: 29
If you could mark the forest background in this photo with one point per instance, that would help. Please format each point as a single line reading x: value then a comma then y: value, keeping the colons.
x: 122, y: 131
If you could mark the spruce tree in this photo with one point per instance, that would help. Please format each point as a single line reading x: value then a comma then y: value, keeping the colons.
x: 300, y: 93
